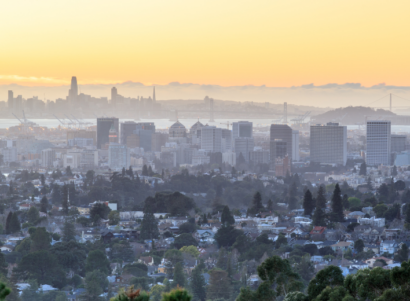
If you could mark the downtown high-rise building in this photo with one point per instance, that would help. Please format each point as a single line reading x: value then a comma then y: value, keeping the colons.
x: 10, y: 99
x: 295, y: 145
x: 328, y: 144
x: 398, y: 143
x: 211, y: 139
x: 282, y: 132
x: 244, y: 145
x: 73, y: 92
x: 242, y: 129
x: 378, y: 142
x: 103, y: 129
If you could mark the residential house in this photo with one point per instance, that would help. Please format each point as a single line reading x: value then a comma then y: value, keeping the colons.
x: 371, y: 261
x: 342, y: 246
x: 318, y: 233
x: 147, y: 260
x: 388, y: 246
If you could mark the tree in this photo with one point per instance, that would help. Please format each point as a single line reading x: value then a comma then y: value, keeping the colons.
x: 330, y: 276
x: 226, y: 236
x: 308, y: 203
x: 337, y: 205
x: 394, y: 171
x: 4, y: 291
x: 95, y: 283
x: 257, y: 203
x: 3, y: 265
x: 219, y: 285
x: 198, y: 284
x: 177, y: 294
x: 70, y: 255
x: 149, y: 227
x: 40, y: 239
x: 44, y: 204
x: 43, y: 267
x: 321, y: 199
x: 278, y: 279
x: 318, y: 216
x: 402, y: 254
x: 226, y: 217
x: 359, y: 245
x: 222, y: 259
x: 179, y: 278
x: 33, y: 215
x: 68, y: 171
x: 346, y: 204
x: 68, y: 231
x: 281, y: 240
x: 292, y: 196
x: 380, y: 210
x: 185, y: 239
x: 269, y: 205
x: 14, y: 223
x: 187, y: 228
x: 97, y: 260
x: 363, y: 169
x: 191, y: 250
x: 8, y: 221
x: 145, y: 170
x: 99, y: 211
x: 114, y: 217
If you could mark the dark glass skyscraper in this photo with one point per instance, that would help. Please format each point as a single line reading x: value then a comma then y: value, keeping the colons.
x: 103, y: 129
x: 284, y: 133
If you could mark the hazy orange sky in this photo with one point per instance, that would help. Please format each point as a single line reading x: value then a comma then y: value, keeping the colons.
x: 225, y: 42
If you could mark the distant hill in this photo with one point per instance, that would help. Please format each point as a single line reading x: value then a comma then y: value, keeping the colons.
x: 349, y: 115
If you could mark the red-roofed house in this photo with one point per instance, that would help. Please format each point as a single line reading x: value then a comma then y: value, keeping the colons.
x: 318, y: 233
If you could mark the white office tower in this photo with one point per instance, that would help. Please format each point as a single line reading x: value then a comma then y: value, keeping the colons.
x: 378, y: 142
x: 211, y: 139
x: 295, y: 145
x: 118, y: 156
x: 47, y: 157
x: 244, y: 146
x: 328, y: 144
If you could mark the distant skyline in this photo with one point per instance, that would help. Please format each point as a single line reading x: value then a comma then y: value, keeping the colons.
x: 225, y: 43
x: 330, y: 95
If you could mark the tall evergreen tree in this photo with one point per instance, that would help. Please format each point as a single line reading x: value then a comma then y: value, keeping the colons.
x: 363, y: 169
x: 204, y: 219
x: 149, y: 227
x: 321, y: 199
x: 222, y: 258
x: 269, y: 206
x: 308, y: 203
x: 319, y: 215
x: 44, y: 204
x: 68, y: 171
x: 346, y: 204
x: 68, y: 231
x: 337, y: 205
x: 226, y: 217
x: 179, y: 278
x: 293, y: 189
x: 64, y: 203
x: 198, y: 285
x: 257, y: 203
x: 8, y: 221
x: 394, y: 171
x: 145, y: 170
x: 14, y: 223
x: 43, y: 180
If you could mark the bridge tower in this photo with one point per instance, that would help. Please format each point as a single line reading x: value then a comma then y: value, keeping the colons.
x: 211, y: 110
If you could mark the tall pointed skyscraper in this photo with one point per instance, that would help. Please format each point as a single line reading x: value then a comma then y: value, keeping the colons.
x: 153, y: 95
x: 73, y: 92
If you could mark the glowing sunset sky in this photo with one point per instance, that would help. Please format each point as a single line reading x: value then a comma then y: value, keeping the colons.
x: 225, y: 42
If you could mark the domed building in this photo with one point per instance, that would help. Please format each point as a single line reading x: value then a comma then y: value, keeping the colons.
x: 177, y: 130
x: 194, y: 129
